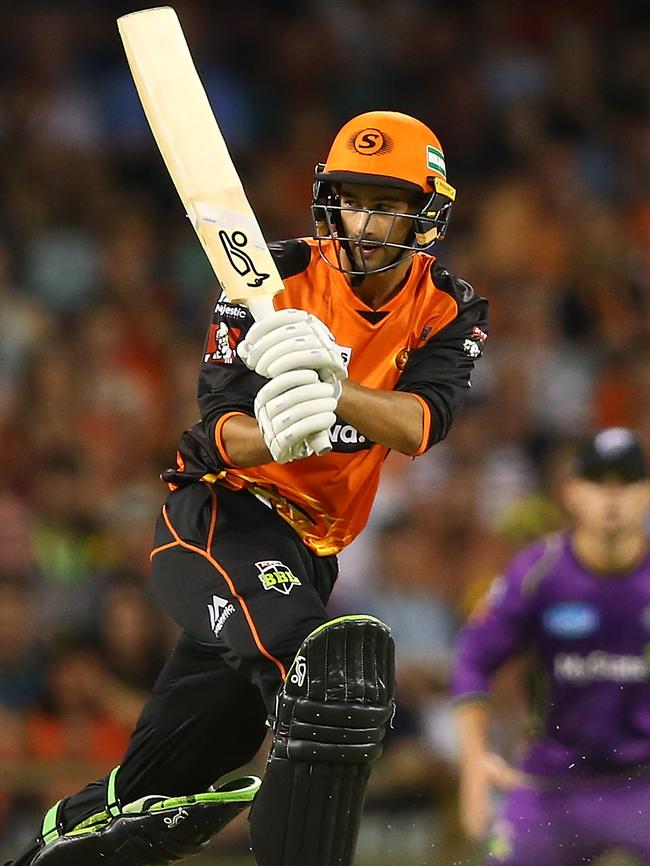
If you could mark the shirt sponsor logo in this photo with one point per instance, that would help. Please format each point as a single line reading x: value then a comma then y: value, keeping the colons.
x: 571, y: 619
x: 345, y: 438
x: 230, y: 311
x: 273, y: 574
x: 473, y: 345
x: 219, y: 611
x: 603, y: 666
x: 472, y: 348
x: 221, y: 344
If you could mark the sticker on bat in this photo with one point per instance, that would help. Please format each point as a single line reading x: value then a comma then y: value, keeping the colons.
x: 234, y: 245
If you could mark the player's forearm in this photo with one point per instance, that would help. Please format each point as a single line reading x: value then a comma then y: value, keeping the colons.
x: 391, y: 418
x: 473, y: 725
x: 243, y: 442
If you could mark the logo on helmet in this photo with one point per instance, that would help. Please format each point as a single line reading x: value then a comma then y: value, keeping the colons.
x: 370, y: 141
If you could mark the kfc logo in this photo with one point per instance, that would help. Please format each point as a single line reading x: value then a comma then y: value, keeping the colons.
x: 221, y: 345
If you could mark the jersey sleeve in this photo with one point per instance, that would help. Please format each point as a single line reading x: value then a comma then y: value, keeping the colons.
x: 226, y: 385
x: 499, y: 630
x: 438, y: 373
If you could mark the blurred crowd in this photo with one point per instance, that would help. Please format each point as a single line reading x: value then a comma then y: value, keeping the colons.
x: 543, y: 111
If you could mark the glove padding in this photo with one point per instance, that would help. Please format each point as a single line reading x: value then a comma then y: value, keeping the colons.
x: 292, y: 407
x: 292, y: 340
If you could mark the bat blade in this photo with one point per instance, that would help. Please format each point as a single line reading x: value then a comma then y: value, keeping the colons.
x: 196, y: 155
x: 197, y: 158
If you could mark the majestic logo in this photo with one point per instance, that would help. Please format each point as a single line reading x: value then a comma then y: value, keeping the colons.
x: 571, y: 619
x: 370, y: 141
x: 273, y: 574
x: 219, y: 611
x: 241, y: 261
x: 229, y: 311
x: 221, y: 344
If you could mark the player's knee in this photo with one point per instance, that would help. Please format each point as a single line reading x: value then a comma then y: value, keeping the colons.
x: 337, y: 699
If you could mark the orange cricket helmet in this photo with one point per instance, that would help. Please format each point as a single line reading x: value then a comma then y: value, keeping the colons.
x: 389, y: 149
x: 385, y: 148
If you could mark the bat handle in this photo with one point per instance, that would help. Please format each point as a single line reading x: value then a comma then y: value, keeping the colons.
x: 261, y: 307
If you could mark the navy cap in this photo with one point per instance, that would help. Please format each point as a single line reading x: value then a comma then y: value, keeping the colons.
x: 615, y: 451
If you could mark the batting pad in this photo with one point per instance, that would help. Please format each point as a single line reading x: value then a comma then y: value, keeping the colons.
x: 332, y: 715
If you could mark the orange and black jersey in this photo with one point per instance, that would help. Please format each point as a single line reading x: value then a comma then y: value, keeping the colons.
x: 424, y: 340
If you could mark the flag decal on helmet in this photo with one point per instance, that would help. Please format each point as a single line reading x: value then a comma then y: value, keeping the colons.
x: 435, y: 160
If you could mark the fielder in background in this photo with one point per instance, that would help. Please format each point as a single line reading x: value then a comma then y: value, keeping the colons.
x: 580, y: 602
x: 245, y: 548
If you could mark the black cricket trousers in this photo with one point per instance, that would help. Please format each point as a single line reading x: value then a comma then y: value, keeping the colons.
x: 246, y: 592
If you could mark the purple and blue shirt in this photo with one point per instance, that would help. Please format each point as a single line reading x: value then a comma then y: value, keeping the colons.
x: 589, y: 635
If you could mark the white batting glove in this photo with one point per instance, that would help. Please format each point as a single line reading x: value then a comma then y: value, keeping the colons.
x: 290, y: 408
x: 293, y: 340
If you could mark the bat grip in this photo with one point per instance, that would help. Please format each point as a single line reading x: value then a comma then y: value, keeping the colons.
x: 260, y: 308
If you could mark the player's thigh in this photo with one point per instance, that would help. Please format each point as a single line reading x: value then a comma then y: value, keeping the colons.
x: 202, y: 720
x: 235, y: 576
x: 534, y: 829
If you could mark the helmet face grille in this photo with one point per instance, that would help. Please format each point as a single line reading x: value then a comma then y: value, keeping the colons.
x: 428, y: 225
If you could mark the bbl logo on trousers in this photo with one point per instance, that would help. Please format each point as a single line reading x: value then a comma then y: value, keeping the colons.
x: 274, y: 574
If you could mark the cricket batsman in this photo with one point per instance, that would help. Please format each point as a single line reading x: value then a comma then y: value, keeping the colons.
x: 372, y: 336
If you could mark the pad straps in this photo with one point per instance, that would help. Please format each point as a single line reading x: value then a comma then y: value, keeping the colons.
x: 113, y: 805
x: 52, y: 826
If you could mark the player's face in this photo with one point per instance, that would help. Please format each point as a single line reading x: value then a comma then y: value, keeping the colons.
x: 370, y: 232
x: 609, y: 506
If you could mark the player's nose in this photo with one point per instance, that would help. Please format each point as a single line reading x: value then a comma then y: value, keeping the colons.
x: 363, y: 226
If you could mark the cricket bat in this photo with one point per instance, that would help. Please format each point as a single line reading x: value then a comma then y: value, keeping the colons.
x: 197, y: 158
